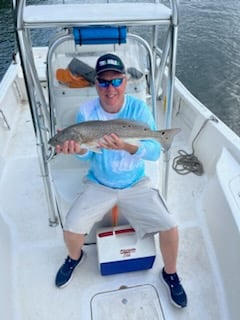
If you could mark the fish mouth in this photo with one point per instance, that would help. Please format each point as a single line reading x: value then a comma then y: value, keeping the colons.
x: 51, y: 142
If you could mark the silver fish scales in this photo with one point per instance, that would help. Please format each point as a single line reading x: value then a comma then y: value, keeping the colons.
x: 89, y: 133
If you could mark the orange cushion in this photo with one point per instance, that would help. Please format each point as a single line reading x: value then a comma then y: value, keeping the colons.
x: 65, y: 77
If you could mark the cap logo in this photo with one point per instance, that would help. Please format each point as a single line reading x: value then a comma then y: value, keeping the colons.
x: 108, y: 61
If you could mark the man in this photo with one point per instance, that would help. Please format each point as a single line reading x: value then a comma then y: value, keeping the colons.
x: 117, y: 176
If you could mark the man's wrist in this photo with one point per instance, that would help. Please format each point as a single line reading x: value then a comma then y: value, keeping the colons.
x: 131, y: 148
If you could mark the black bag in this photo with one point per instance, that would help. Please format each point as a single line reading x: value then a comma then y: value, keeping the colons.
x: 79, y: 68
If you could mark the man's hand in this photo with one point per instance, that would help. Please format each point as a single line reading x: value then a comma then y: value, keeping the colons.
x: 113, y: 142
x: 70, y: 147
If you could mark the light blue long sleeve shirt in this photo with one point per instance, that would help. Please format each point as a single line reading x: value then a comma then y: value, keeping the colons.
x: 117, y: 168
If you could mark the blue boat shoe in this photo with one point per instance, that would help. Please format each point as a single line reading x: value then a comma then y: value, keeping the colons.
x: 176, y: 292
x: 65, y: 273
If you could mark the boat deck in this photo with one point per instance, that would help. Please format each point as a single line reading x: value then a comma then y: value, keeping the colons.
x: 37, y: 251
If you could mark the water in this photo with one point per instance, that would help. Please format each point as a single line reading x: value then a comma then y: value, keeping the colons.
x: 208, y: 60
x: 7, y: 40
x: 209, y: 55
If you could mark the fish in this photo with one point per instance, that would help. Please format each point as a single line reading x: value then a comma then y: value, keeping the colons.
x: 89, y: 133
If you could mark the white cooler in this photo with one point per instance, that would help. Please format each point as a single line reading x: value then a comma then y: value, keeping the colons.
x: 119, y: 250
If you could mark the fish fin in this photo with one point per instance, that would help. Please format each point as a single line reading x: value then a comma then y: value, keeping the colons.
x: 95, y: 149
x: 91, y: 147
x: 132, y: 141
x: 166, y: 137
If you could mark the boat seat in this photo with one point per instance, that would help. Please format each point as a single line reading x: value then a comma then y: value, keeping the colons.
x: 67, y: 171
x: 65, y: 100
x: 69, y: 100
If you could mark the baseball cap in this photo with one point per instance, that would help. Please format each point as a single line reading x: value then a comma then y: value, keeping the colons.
x: 109, y: 62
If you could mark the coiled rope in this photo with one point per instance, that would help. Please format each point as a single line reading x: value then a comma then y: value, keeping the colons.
x: 185, y: 162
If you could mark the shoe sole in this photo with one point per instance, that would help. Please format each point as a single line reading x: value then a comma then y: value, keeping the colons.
x: 169, y: 293
x: 69, y: 280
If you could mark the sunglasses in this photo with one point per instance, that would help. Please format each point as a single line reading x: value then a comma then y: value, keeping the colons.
x: 106, y: 83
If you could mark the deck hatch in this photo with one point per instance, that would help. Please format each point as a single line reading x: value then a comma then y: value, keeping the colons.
x: 135, y: 303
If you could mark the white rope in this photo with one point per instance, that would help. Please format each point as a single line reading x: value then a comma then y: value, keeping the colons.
x: 185, y: 162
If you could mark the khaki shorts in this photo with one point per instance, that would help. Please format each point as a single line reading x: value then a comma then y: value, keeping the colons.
x: 141, y: 205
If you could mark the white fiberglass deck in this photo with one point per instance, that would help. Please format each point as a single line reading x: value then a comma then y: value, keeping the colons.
x: 33, y: 251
